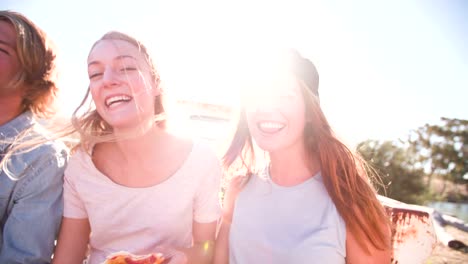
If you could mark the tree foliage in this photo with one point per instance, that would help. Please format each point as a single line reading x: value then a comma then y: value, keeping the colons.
x: 442, y: 149
x: 393, y: 164
x: 432, y: 151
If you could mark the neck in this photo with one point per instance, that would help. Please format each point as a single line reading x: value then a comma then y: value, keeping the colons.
x: 293, y: 166
x: 10, y: 108
x: 143, y: 145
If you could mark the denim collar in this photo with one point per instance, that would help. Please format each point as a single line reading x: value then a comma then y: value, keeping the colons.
x: 14, y: 127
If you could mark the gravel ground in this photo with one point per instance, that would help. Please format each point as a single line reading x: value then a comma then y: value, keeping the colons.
x: 445, y: 255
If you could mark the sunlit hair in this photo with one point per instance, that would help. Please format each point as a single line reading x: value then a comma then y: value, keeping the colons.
x: 343, y: 171
x: 37, y: 74
x: 86, y: 122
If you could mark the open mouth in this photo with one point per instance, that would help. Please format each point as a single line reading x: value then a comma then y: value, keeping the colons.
x: 270, y: 127
x: 116, y: 100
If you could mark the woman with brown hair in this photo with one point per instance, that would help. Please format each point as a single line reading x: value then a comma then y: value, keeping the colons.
x: 31, y: 180
x: 313, y: 201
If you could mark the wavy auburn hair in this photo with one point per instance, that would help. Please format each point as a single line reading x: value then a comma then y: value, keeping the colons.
x: 344, y: 172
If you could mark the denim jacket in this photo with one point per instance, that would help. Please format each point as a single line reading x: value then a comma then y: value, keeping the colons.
x: 31, y: 207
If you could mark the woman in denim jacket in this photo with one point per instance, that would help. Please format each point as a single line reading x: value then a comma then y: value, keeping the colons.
x: 31, y: 178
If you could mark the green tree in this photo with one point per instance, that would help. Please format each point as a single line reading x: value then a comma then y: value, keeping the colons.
x: 442, y: 149
x: 393, y: 164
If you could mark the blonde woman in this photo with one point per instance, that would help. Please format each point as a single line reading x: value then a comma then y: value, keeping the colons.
x: 131, y: 185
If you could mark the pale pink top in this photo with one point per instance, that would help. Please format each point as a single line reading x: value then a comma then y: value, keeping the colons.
x: 139, y: 219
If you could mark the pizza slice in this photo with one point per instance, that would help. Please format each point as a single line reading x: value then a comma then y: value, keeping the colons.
x: 124, y: 257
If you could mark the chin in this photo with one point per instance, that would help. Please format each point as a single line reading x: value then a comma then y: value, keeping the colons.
x: 268, y: 146
x: 127, y: 121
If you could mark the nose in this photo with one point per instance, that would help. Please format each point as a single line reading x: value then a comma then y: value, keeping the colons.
x: 110, y: 77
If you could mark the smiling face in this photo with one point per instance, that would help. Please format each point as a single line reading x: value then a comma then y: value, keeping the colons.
x: 276, y: 114
x: 121, y: 84
x: 9, y: 62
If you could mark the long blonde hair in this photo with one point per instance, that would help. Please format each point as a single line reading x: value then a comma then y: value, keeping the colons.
x: 343, y: 171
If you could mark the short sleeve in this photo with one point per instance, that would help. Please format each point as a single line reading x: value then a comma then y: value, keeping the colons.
x: 207, y: 206
x: 73, y: 204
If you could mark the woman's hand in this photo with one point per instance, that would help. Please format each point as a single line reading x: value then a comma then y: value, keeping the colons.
x: 178, y: 257
x: 171, y: 255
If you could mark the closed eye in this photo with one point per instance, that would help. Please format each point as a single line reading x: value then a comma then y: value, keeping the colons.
x: 4, y: 51
x: 94, y: 75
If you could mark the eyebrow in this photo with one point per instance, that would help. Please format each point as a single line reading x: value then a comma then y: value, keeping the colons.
x: 120, y: 57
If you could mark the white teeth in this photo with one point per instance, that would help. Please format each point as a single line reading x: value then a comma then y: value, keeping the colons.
x: 118, y: 98
x: 270, y: 125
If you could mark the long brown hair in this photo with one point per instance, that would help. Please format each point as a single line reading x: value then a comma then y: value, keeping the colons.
x: 344, y: 172
x: 37, y: 75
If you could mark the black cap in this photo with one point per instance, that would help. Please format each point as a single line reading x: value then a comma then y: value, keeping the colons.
x: 306, y: 71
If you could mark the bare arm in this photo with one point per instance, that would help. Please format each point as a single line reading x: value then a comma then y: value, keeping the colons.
x: 72, y: 242
x: 222, y: 241
x: 203, y: 243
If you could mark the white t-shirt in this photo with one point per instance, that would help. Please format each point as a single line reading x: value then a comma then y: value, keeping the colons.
x: 139, y: 219
x: 276, y: 224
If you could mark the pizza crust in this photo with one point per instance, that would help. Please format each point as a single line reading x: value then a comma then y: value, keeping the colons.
x: 124, y: 257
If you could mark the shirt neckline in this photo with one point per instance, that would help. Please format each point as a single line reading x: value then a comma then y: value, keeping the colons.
x: 102, y: 176
x: 315, y: 177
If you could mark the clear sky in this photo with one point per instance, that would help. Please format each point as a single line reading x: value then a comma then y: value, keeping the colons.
x: 386, y: 67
